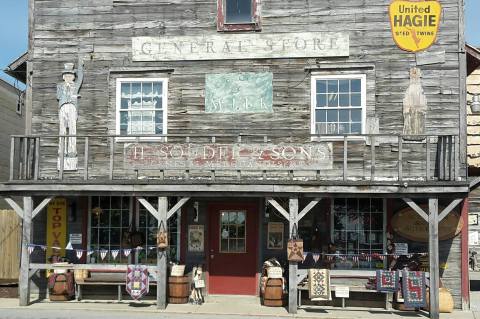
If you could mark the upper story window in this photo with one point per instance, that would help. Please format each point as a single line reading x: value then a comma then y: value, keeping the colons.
x: 238, y: 15
x: 142, y: 106
x: 338, y: 104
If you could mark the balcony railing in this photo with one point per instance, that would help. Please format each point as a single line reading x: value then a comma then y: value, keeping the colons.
x: 237, y: 158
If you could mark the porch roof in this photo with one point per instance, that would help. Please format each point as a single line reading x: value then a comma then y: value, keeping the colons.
x: 240, y: 188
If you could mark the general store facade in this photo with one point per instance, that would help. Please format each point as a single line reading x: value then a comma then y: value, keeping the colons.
x: 234, y: 126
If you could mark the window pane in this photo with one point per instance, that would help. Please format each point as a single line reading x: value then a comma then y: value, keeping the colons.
x: 332, y: 86
x: 321, y: 86
x: 332, y: 128
x: 344, y: 100
x: 356, y: 128
x: 123, y: 122
x: 344, y: 116
x: 148, y: 125
x: 332, y: 115
x: 321, y: 100
x: 116, y: 218
x: 333, y: 100
x: 344, y: 86
x: 136, y: 95
x: 320, y: 116
x: 343, y: 128
x: 136, y: 122
x: 356, y: 99
x: 356, y: 115
x: 238, y: 11
x: 356, y: 85
x: 321, y: 128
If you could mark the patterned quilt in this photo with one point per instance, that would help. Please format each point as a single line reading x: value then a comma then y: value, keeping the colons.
x: 387, y: 281
x: 414, y: 289
x: 138, y: 283
x: 319, y: 284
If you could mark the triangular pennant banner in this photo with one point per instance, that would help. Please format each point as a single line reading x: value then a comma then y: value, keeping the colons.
x: 79, y: 253
x: 115, y: 253
x: 69, y: 246
x: 103, y: 253
x: 126, y: 252
x: 31, y: 248
x: 316, y: 257
x: 90, y: 252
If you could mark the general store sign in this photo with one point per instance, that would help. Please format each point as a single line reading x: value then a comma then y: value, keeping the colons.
x: 239, y: 93
x: 56, y: 227
x: 241, y: 46
x: 310, y: 156
x: 415, y: 23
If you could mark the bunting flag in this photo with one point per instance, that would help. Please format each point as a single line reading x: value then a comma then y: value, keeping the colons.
x: 103, y: 254
x: 69, y: 246
x: 44, y: 248
x: 126, y: 252
x: 115, y: 253
x: 31, y: 248
x: 316, y: 257
x: 90, y: 252
x: 79, y: 253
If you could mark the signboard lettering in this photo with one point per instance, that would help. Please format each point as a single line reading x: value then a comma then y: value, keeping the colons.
x: 310, y: 156
x: 241, y: 46
x: 239, y: 93
x: 56, y: 227
x: 415, y: 23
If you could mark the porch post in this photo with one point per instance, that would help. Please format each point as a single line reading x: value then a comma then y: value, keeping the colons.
x: 162, y: 257
x: 292, y: 265
x: 434, y: 259
x: 24, y: 280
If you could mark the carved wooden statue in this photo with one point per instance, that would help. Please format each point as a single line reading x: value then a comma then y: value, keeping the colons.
x: 67, y: 96
x: 414, y: 106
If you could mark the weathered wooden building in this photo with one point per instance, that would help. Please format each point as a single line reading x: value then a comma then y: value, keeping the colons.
x: 236, y: 121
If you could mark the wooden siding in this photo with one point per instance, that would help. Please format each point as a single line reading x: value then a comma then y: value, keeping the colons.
x: 473, y: 122
x: 101, y: 31
x: 10, y: 123
x: 10, y: 235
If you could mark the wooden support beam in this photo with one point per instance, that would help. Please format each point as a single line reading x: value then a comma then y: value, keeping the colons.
x: 177, y: 206
x: 475, y: 182
x: 308, y: 208
x: 149, y: 207
x: 24, y: 281
x: 31, y: 273
x: 162, y: 257
x: 279, y: 208
x: 449, y: 208
x: 41, y: 206
x: 434, y: 259
x: 15, y: 206
x: 292, y: 266
x: 416, y: 208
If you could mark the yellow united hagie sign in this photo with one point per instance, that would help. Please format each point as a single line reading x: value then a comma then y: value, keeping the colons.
x: 415, y: 23
x: 56, y: 227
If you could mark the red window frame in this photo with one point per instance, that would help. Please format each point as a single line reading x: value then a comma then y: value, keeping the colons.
x: 255, y: 25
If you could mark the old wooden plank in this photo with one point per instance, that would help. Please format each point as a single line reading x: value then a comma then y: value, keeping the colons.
x: 434, y: 258
x: 177, y: 206
x: 86, y: 156
x: 416, y: 208
x: 24, y: 281
x: 145, y: 203
x: 279, y: 208
x: 308, y: 208
x: 36, y: 159
x: 449, y: 208
x: 162, y: 257
x: 15, y: 206
x: 292, y: 266
x: 12, y: 157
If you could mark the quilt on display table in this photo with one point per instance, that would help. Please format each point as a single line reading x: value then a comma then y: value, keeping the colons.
x: 138, y: 283
x: 319, y: 284
x: 414, y: 289
x: 387, y: 280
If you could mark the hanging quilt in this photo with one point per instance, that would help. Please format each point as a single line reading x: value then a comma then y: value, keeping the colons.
x: 137, y: 281
x: 319, y: 284
x: 414, y: 289
x: 387, y: 281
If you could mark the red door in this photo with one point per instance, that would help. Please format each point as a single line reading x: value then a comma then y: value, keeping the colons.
x: 233, y: 249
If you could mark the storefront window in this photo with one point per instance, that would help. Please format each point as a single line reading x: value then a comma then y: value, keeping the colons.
x: 358, y: 232
x: 338, y: 104
x: 109, y: 222
x: 232, y: 232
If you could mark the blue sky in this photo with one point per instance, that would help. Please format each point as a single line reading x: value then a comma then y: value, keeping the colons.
x: 14, y: 29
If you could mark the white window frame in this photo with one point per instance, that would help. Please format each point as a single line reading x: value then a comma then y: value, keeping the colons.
x: 313, y: 104
x: 118, y: 101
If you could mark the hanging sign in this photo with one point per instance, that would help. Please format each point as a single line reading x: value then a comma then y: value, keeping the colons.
x: 342, y: 291
x: 56, y: 227
x: 415, y: 23
x: 196, y: 234
x: 408, y: 224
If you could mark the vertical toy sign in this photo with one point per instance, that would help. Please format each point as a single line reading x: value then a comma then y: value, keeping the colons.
x: 56, y: 227
x: 415, y: 23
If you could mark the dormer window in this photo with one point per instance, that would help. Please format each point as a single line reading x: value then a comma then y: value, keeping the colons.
x: 238, y: 15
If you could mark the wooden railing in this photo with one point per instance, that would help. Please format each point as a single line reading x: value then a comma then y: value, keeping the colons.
x: 347, y: 158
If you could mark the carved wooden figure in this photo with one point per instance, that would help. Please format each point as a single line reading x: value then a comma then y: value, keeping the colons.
x: 414, y: 105
x: 67, y: 96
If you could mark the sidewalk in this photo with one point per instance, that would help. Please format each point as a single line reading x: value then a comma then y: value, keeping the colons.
x: 222, y: 307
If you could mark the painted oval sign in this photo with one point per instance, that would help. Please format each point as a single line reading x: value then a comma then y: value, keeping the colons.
x: 415, y: 23
x: 408, y: 224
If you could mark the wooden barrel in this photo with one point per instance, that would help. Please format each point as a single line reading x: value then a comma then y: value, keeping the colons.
x: 273, y: 296
x: 178, y: 289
